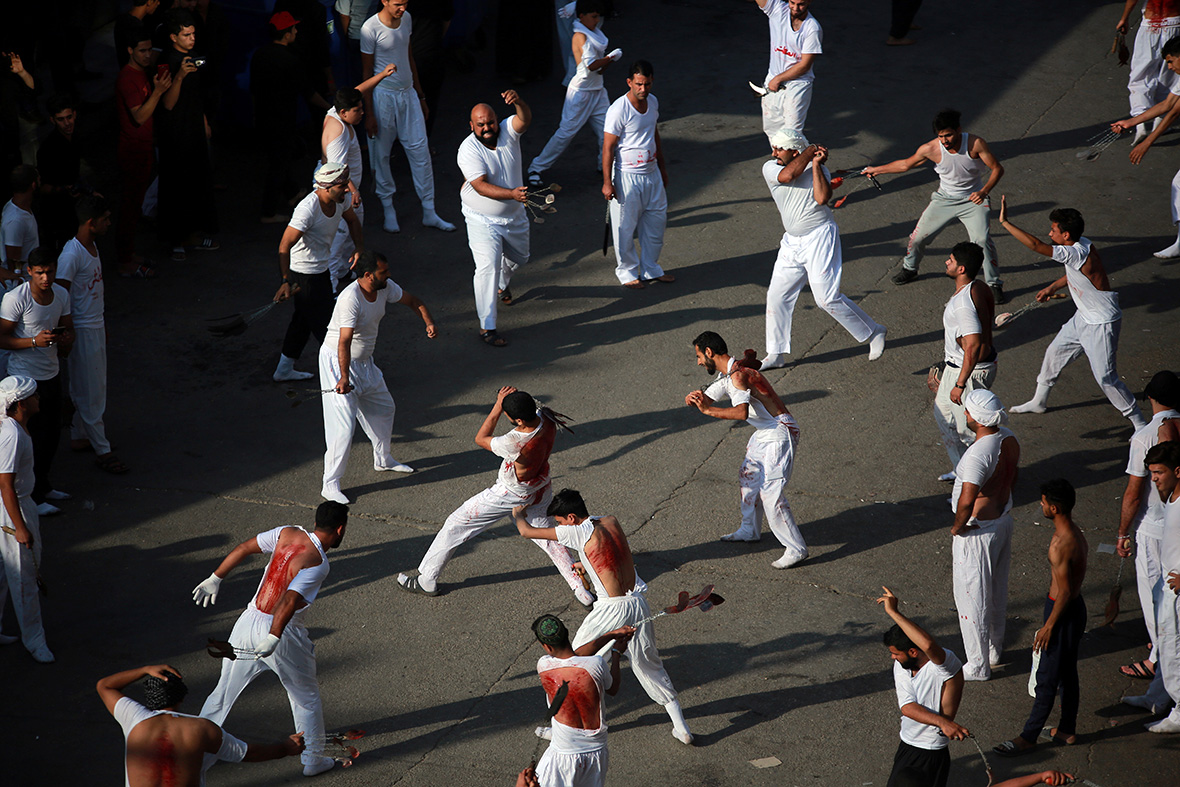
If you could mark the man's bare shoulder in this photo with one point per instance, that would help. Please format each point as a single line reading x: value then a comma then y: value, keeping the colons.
x: 296, y: 537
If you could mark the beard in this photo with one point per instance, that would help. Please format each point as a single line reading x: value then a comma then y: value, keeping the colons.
x: 710, y: 366
x: 910, y: 664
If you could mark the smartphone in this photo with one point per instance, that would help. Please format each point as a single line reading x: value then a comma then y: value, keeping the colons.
x: 58, y: 331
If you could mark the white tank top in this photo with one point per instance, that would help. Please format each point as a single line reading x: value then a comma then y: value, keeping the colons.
x: 593, y: 49
x: 345, y: 149
x: 960, y: 174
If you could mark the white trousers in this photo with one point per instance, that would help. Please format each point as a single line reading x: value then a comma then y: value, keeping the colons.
x: 88, y: 387
x: 1167, y: 606
x: 640, y: 207
x: 584, y: 769
x: 343, y: 247
x: 763, y: 481
x: 618, y: 611
x: 498, y: 250
x: 399, y: 117
x: 293, y: 661
x: 1176, y: 197
x: 1148, y: 573
x: 581, y: 107
x: 980, y: 560
x: 787, y: 107
x: 485, y: 509
x: 20, y: 575
x: 1150, y: 79
x: 951, y: 418
x: 1099, y: 343
x: 814, y: 258
x: 369, y: 403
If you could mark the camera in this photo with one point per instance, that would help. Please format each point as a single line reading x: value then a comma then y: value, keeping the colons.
x: 200, y: 61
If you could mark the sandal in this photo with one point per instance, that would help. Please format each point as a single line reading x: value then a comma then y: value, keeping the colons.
x: 140, y: 272
x: 634, y: 285
x: 411, y: 586
x: 667, y: 278
x: 1140, y: 669
x: 1010, y: 749
x: 493, y: 339
x: 111, y: 464
x: 506, y: 296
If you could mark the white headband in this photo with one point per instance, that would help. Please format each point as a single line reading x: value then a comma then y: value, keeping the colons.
x: 787, y: 139
x: 331, y: 174
x: 15, y: 389
x: 985, y: 407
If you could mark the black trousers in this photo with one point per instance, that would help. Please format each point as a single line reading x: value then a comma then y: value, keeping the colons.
x: 312, y: 303
x: 186, y: 202
x: 903, y: 16
x: 1058, y: 670
x: 45, y: 431
x: 913, y: 766
x: 279, y: 147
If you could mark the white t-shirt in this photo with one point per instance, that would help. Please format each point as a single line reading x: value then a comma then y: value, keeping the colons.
x: 389, y: 45
x: 593, y: 49
x: 536, y: 445
x: 979, y: 463
x: 31, y: 318
x: 1095, y: 306
x: 129, y: 713
x: 83, y: 271
x: 575, y: 537
x: 636, y: 132
x: 787, y: 45
x: 757, y: 415
x: 306, y: 583
x: 924, y: 688
x: 313, y: 251
x: 500, y: 167
x: 358, y: 12
x: 16, y: 456
x: 1151, y: 507
x: 353, y: 310
x: 1170, y: 543
x: 960, y: 318
x: 796, y: 200
x: 574, y: 740
x: 17, y: 228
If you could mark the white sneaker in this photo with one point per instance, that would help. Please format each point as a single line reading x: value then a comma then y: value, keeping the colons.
x: 743, y: 534
x: 396, y: 467
x: 1164, y: 726
x: 42, y: 655
x: 947, y: 478
x: 47, y: 509
x: 333, y: 493
x: 788, y: 560
x: 318, y: 765
x: 54, y: 494
x: 684, y: 736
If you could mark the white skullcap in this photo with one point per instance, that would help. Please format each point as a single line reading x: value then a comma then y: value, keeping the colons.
x: 787, y: 139
x: 15, y: 389
x: 985, y: 407
x: 331, y: 174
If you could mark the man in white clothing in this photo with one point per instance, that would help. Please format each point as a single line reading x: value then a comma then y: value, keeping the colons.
x: 981, y: 535
x: 1163, y: 461
x: 493, y: 197
x: 796, y: 40
x: 305, y: 253
x: 347, y: 367
x: 270, y: 633
x: 810, y: 249
x: 1150, y: 78
x: 79, y: 271
x: 1094, y: 328
x: 770, y: 453
x: 18, y: 227
x: 636, y: 193
x: 606, y: 558
x: 396, y: 110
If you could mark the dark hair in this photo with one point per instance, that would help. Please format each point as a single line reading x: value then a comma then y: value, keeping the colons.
x: 520, y: 406
x: 566, y: 502
x: 970, y: 256
x: 41, y: 258
x: 1069, y: 221
x: 1059, y: 492
x: 1172, y: 48
x: 91, y: 207
x: 176, y: 20
x: 23, y: 177
x: 642, y: 68
x: 1166, y: 453
x: 550, y: 631
x: 896, y: 638
x: 590, y: 7
x: 348, y: 98
x: 947, y: 120
x: 368, y: 262
x: 711, y: 341
x: 330, y: 515
x: 275, y: 33
x: 60, y: 102
x: 159, y: 694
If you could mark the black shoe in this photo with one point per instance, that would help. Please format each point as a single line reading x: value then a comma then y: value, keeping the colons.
x: 998, y: 293
x: 904, y: 276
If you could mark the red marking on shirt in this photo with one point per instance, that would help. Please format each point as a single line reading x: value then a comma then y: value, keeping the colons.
x: 581, y: 706
x: 532, y: 463
x: 275, y: 583
x: 165, y: 761
x: 782, y: 50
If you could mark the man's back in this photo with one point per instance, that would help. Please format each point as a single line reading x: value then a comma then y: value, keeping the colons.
x: 609, y: 554
x: 169, y: 751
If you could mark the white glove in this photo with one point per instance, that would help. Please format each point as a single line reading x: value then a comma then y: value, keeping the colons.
x: 615, y: 55
x: 268, y: 646
x: 206, y: 592
x: 567, y: 11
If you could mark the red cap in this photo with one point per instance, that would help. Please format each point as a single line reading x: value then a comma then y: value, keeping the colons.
x: 283, y: 21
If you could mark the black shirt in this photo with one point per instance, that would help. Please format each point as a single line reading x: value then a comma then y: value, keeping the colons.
x: 184, y: 124
x: 58, y: 161
x: 277, y: 80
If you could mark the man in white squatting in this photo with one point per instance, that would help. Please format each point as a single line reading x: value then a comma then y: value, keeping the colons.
x: 1150, y: 79
x: 79, y: 270
x: 796, y: 40
x: 168, y: 748
x: 1164, y: 113
x: 271, y: 627
x: 585, y: 98
x: 1163, y: 462
x: 606, y: 558
x: 577, y: 755
x: 810, y: 249
x: 981, y: 535
x: 20, y: 539
x: 347, y: 367
x: 305, y: 254
x: 968, y: 352
x: 522, y: 480
x: 1094, y: 327
x: 960, y: 160
x: 1143, y: 509
x: 636, y: 194
x: 493, y: 197
x: 396, y: 110
x: 770, y: 452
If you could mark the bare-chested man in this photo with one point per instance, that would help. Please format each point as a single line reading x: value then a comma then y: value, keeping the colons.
x: 606, y: 558
x: 770, y: 454
x: 981, y: 549
x: 1065, y: 621
x: 165, y: 748
x: 272, y: 625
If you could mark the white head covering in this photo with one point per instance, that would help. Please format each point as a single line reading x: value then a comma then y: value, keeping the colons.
x: 789, y: 139
x: 985, y: 407
x: 331, y: 174
x: 15, y: 389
